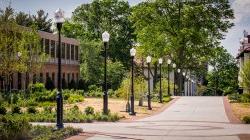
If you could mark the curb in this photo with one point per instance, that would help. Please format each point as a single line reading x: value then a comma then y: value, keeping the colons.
x: 229, y: 112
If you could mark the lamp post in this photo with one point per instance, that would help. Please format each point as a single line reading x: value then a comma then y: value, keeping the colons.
x: 59, y: 19
x: 179, y: 85
x: 105, y: 39
x: 149, y: 97
x: 184, y: 76
x: 174, y: 66
x: 132, y: 98
x: 160, y: 94
x: 169, y: 62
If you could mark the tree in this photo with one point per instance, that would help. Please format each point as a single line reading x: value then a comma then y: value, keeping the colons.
x: 20, y: 47
x: 89, y: 21
x: 224, y: 76
x: 245, y: 77
x: 187, y: 32
x: 23, y: 19
x: 42, y: 22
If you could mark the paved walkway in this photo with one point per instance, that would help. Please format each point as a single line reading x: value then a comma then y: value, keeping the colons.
x: 189, y: 118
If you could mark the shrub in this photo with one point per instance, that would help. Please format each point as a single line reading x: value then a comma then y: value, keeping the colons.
x: 246, y: 119
x: 16, y: 109
x: 31, y: 110
x: 74, y: 98
x: 47, y: 109
x: 3, y: 110
x: 37, y: 87
x: 245, y: 98
x: 234, y: 97
x: 89, y: 110
x: 14, y: 128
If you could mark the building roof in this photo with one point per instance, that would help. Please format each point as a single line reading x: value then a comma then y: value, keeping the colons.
x: 53, y: 36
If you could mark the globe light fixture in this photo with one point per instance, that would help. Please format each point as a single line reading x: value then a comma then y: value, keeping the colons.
x: 169, y: 61
x: 174, y: 65
x: 148, y: 59
x: 132, y: 52
x: 160, y: 60
x: 178, y: 70
x: 105, y: 36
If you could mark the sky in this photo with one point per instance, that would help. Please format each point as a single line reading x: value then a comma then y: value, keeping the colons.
x: 231, y: 41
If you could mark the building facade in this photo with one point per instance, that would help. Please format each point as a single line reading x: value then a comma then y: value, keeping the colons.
x: 243, y: 54
x: 70, y: 51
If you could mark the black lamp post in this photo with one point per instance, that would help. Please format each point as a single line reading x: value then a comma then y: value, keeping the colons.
x: 174, y: 66
x: 160, y: 93
x: 169, y: 62
x: 179, y: 85
x: 59, y: 19
x: 184, y: 76
x: 105, y: 39
x: 132, y: 98
x: 149, y: 96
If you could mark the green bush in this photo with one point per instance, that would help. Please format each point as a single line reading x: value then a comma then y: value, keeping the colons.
x: 234, y: 97
x: 74, y: 98
x: 37, y: 87
x: 246, y: 119
x: 245, y: 98
x: 3, y: 110
x: 16, y: 109
x: 47, y: 109
x: 32, y: 110
x: 14, y: 128
x: 89, y: 110
x: 48, y: 133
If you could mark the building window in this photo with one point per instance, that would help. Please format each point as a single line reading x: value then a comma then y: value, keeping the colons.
x: 68, y: 51
x: 34, y: 78
x: 72, y: 52
x: 73, y: 76
x: 63, y: 50
x: 52, y: 49
x: 47, y: 46
x: 41, y: 77
x: 76, y: 52
x: 68, y: 78
x: 42, y: 45
x: 53, y: 78
x: 77, y: 77
x: 19, y: 80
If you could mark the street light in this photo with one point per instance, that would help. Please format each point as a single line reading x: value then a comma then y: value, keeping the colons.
x: 160, y: 96
x: 174, y: 66
x: 132, y: 98
x: 169, y: 62
x: 59, y: 19
x: 105, y: 39
x: 179, y: 84
x: 149, y: 97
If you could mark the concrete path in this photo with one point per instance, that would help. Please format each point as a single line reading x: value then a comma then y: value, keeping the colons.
x: 189, y: 118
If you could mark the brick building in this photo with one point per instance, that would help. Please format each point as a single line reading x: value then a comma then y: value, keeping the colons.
x: 244, y: 54
x: 70, y: 63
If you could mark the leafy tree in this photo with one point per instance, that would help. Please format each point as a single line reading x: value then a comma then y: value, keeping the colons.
x: 23, y: 19
x: 42, y: 22
x: 245, y: 76
x: 89, y: 21
x: 187, y: 32
x: 224, y: 77
x: 115, y: 72
x: 20, y: 47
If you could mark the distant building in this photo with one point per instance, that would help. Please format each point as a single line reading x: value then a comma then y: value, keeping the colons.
x: 70, y: 63
x: 244, y: 53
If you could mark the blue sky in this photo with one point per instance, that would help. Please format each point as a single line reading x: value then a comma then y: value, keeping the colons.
x: 231, y: 42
